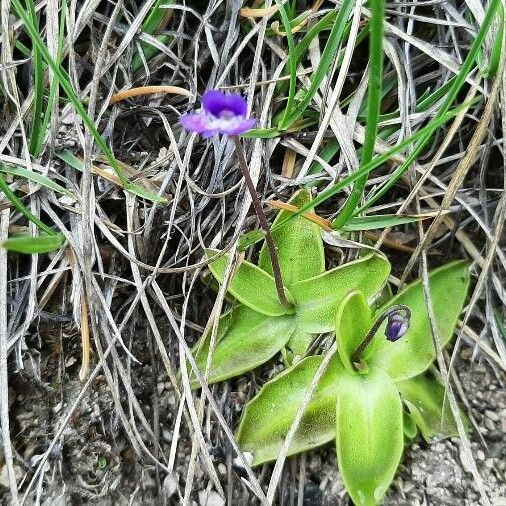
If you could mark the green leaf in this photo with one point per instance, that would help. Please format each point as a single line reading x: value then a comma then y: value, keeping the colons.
x: 30, y: 245
x: 369, y: 434
x: 268, y: 417
x: 246, y: 340
x: 352, y: 323
x: 63, y: 78
x: 298, y: 344
x: 409, y: 427
x: 36, y: 178
x: 414, y: 353
x: 295, y: 110
x: 135, y: 189
x: 317, y: 299
x: 382, y: 221
x: 425, y: 399
x: 250, y: 285
x: 250, y: 239
x: 299, y: 246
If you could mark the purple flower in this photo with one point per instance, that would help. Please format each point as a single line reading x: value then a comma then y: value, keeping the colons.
x: 220, y: 114
x: 397, y: 326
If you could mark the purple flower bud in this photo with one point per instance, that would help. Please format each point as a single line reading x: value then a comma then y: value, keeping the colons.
x: 220, y: 114
x: 397, y: 326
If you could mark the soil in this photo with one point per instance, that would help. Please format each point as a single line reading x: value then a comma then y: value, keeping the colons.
x: 94, y: 462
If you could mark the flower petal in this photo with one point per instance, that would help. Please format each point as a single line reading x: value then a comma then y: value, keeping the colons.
x: 216, y: 103
x: 236, y: 104
x: 239, y: 127
x: 198, y: 122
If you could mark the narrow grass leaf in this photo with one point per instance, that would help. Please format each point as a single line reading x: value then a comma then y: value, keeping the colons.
x: 294, y: 111
x: 36, y: 178
x: 30, y: 245
x: 18, y: 204
x: 64, y: 81
x: 383, y: 221
x: 460, y: 79
x: 374, y: 92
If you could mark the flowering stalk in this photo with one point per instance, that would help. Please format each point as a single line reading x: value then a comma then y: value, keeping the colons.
x: 398, y: 324
x: 227, y: 114
x: 276, y: 269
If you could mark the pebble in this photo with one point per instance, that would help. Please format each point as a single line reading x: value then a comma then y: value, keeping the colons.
x: 480, y: 455
x: 170, y: 485
x: 492, y: 415
x: 210, y: 498
x: 489, y: 463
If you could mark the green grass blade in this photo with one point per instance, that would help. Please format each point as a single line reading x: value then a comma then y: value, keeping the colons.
x: 373, y: 164
x: 293, y: 112
x: 18, y: 204
x: 373, y: 108
x: 460, y: 79
x: 489, y: 69
x: 359, y: 223
x: 64, y: 81
x: 30, y: 245
x: 54, y: 85
x: 38, y: 84
x: 151, y: 24
x: 292, y: 61
x: 36, y: 178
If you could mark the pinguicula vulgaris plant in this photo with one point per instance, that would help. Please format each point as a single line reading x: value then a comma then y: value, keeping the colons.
x: 379, y: 388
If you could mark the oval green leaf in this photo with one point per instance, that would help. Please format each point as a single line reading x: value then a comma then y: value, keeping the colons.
x: 415, y: 352
x: 245, y: 340
x: 317, y: 299
x: 298, y: 243
x: 425, y: 399
x: 352, y: 323
x: 250, y: 285
x: 269, y: 416
x: 369, y: 434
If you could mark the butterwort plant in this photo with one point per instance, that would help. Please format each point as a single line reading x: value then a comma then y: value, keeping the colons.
x: 380, y: 387
x: 258, y: 326
x: 377, y: 391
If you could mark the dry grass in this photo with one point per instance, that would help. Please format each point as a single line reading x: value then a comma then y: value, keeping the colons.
x: 129, y: 281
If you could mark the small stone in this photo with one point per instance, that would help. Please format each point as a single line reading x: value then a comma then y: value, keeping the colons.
x: 490, y: 463
x: 492, y: 415
x: 247, y: 456
x: 210, y: 498
x: 480, y: 455
x: 4, y: 475
x: 489, y: 424
x: 408, y: 486
x: 170, y: 485
x: 222, y: 469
